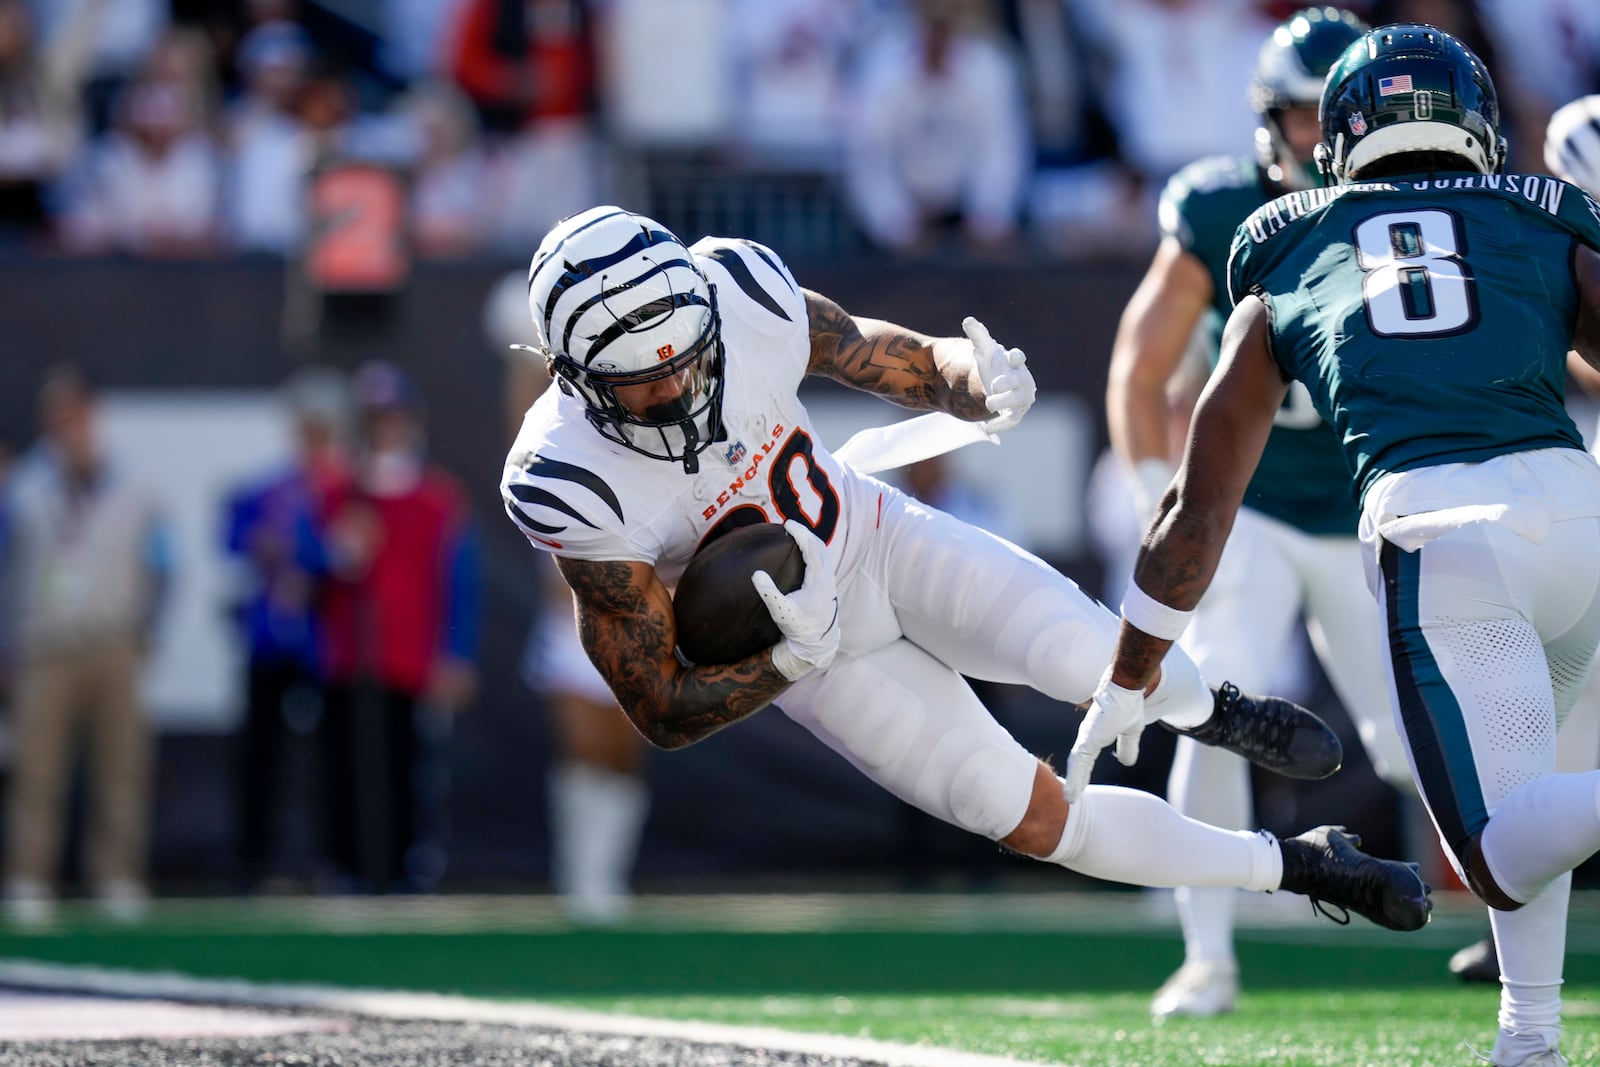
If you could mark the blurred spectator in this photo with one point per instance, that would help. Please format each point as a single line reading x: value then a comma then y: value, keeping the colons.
x: 1058, y: 100
x: 448, y: 217
x: 1172, y: 77
x: 152, y: 187
x: 529, y: 68
x: 401, y: 617
x: 789, y: 61
x: 183, y: 58
x: 275, y: 528
x: 938, y: 138
x: 87, y: 561
x: 40, y: 123
x: 121, y: 34
x: 412, y: 30
x: 277, y: 150
x: 598, y: 797
x: 268, y: 158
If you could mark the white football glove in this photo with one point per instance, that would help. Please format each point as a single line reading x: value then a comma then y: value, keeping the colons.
x: 809, y: 616
x: 1115, y: 714
x: 1008, y: 387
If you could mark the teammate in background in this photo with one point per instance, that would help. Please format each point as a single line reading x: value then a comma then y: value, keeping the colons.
x: 677, y: 418
x: 1428, y: 303
x: 596, y: 790
x: 1293, y: 551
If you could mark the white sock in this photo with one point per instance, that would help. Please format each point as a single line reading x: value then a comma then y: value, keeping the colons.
x: 1541, y: 830
x: 1180, y: 699
x: 1532, y: 943
x: 1128, y: 835
x: 1211, y: 785
x: 596, y: 816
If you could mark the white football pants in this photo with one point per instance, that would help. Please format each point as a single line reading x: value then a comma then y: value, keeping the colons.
x: 1491, y: 638
x: 930, y: 599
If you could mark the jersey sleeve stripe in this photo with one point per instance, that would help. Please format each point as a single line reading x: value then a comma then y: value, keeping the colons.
x: 776, y: 269
x: 533, y: 496
x: 540, y: 467
x: 527, y: 523
x: 734, y: 264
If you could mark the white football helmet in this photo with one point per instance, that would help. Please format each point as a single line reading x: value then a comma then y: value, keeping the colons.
x: 617, y: 300
x: 1572, y: 144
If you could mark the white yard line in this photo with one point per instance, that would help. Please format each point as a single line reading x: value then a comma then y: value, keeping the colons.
x: 55, y: 1016
x: 464, y: 1009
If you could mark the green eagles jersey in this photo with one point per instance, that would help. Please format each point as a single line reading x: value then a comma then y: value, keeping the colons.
x: 1430, y: 317
x: 1303, y: 479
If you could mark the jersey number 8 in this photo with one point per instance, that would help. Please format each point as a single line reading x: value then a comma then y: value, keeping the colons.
x: 1416, y: 284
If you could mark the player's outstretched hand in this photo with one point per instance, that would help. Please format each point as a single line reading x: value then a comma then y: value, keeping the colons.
x: 809, y: 616
x: 1115, y: 714
x: 1008, y: 386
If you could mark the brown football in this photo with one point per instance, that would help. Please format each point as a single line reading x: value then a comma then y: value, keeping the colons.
x: 720, y: 616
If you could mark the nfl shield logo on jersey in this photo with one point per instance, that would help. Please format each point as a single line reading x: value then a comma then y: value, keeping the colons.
x: 735, y: 453
x: 1358, y: 124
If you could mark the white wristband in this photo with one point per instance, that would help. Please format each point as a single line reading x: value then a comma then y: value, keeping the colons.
x: 1152, y: 616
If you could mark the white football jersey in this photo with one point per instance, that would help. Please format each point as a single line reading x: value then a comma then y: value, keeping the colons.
x: 576, y: 494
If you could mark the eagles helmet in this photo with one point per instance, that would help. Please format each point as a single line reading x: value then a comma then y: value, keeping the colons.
x: 616, y: 301
x: 1572, y: 143
x: 1290, y: 70
x: 1409, y: 89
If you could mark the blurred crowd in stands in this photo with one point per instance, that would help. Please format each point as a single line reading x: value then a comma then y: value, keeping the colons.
x: 184, y: 128
x: 357, y: 605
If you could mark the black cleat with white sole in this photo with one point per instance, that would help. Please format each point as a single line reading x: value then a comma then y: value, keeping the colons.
x: 1327, y: 865
x: 1275, y: 734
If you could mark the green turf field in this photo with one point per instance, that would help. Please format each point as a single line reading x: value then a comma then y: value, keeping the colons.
x: 1050, y: 978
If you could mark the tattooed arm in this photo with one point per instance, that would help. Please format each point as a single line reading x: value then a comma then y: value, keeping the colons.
x: 901, y: 365
x: 1230, y: 428
x: 626, y: 625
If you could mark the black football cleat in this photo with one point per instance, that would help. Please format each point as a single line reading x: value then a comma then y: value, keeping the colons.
x: 1326, y: 865
x: 1276, y: 734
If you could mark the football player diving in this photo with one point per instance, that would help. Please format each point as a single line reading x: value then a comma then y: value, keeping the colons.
x: 677, y: 418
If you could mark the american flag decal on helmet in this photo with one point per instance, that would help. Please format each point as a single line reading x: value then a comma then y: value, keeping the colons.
x: 1399, y: 83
